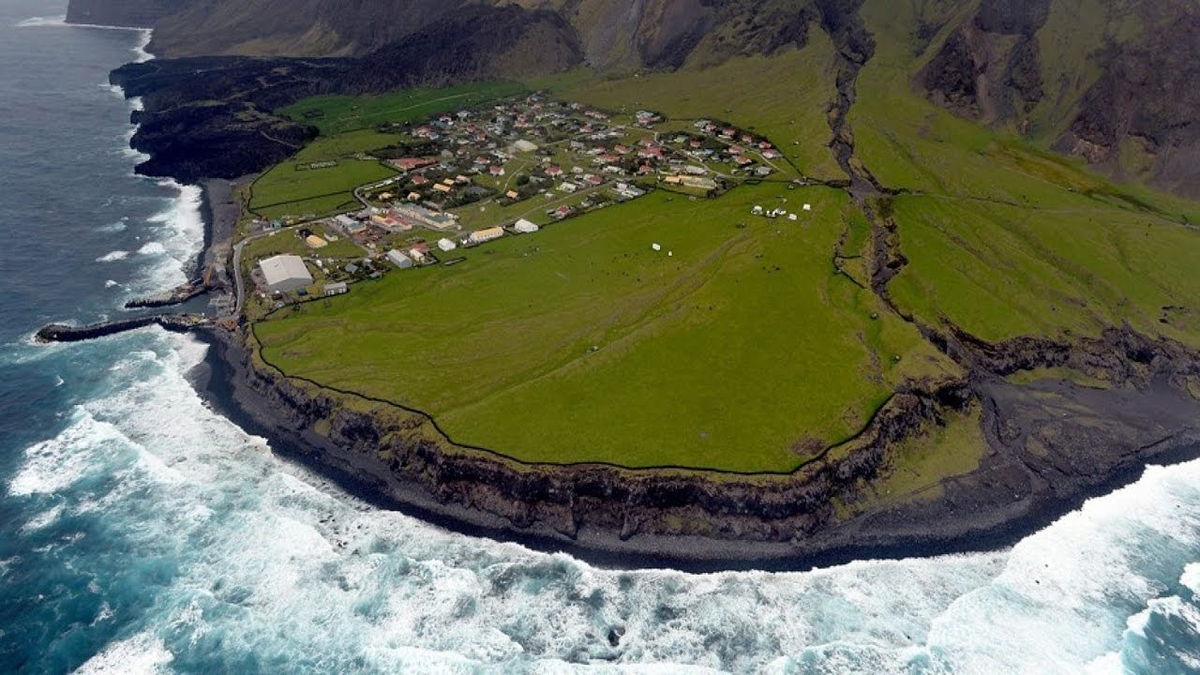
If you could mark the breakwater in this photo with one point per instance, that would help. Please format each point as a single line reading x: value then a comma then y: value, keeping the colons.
x: 177, y: 296
x: 179, y: 323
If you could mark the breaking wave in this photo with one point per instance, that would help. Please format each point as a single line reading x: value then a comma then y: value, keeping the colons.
x: 271, y: 564
x: 43, y: 21
x: 177, y: 234
x: 113, y: 256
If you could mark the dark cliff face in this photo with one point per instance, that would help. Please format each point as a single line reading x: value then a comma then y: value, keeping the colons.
x: 1122, y: 95
x: 1038, y: 464
x: 1141, y: 118
x: 981, y: 72
x: 1138, y: 120
x: 189, y: 138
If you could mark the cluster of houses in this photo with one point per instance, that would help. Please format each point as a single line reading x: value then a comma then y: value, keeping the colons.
x: 574, y: 157
x: 535, y: 146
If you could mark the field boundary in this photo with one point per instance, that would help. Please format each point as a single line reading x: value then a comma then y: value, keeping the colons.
x: 567, y: 465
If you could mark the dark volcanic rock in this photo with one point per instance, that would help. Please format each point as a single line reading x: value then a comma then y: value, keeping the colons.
x: 1039, y: 463
x: 189, y: 137
x: 1012, y: 17
x: 950, y: 77
x: 211, y: 117
x: 1144, y: 110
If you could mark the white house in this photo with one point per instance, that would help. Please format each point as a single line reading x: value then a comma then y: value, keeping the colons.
x: 446, y: 244
x: 399, y: 259
x: 524, y: 226
x: 284, y: 273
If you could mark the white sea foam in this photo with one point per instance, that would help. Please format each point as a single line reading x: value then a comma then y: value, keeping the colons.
x: 118, y: 226
x: 177, y: 235
x: 276, y: 564
x: 113, y: 256
x: 60, y: 21
x: 136, y: 155
x: 1190, y: 579
x: 53, y: 465
x: 139, y: 50
x: 142, y: 654
x: 43, y: 519
x: 44, y: 21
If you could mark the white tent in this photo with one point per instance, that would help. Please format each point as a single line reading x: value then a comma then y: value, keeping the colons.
x: 524, y: 226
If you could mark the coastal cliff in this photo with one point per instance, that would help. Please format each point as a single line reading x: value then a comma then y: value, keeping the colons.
x: 1038, y: 463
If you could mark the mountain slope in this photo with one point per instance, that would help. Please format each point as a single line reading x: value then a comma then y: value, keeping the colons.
x: 1110, y: 81
x: 1107, y: 80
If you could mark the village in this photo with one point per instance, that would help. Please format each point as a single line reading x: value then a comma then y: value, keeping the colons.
x: 467, y: 178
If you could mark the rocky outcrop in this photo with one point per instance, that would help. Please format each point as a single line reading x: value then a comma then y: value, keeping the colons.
x: 1137, y: 120
x: 1141, y: 117
x: 211, y: 117
x: 990, y: 67
x: 697, y: 519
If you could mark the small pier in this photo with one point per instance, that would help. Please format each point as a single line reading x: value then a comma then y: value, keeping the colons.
x: 176, y: 296
x: 178, y: 323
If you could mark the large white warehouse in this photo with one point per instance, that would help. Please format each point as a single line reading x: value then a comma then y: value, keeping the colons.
x: 285, y: 273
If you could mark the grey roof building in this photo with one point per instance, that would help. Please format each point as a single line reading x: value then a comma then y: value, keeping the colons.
x: 284, y: 273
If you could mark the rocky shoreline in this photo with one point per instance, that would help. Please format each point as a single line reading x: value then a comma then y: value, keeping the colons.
x: 1039, y: 463
x: 1050, y: 446
x: 630, y: 519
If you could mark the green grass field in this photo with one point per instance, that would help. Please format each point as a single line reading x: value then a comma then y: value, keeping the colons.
x: 338, y: 114
x: 290, y: 190
x: 1005, y: 239
x: 580, y: 343
x: 721, y: 356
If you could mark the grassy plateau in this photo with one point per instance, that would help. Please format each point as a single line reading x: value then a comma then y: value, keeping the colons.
x: 583, y: 344
x: 740, y: 346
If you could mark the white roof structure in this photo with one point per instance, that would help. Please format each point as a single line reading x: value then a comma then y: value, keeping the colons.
x: 284, y: 273
x: 399, y: 259
x: 656, y: 247
x: 808, y: 207
x: 525, y: 146
x: 525, y: 226
x: 446, y: 244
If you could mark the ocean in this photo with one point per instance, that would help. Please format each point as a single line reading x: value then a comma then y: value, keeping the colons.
x: 141, y: 532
